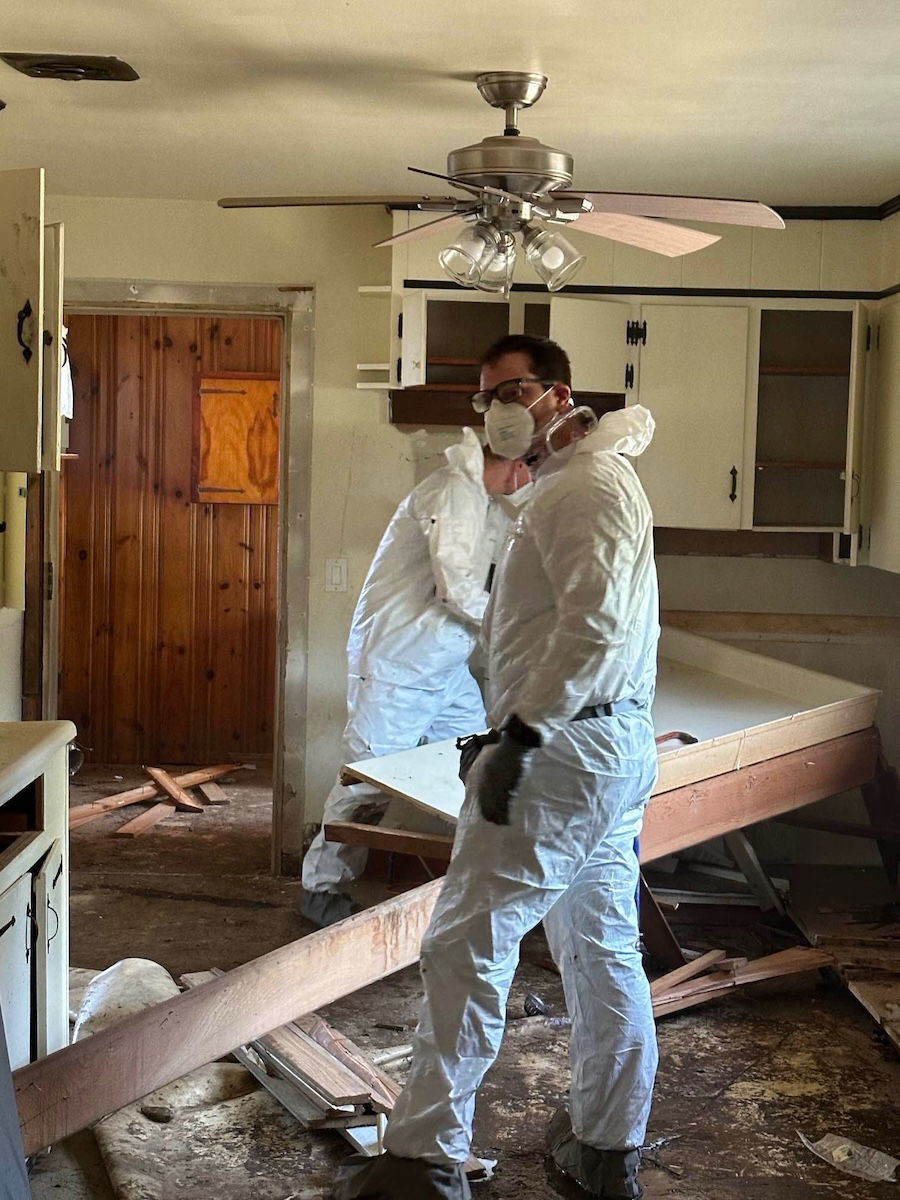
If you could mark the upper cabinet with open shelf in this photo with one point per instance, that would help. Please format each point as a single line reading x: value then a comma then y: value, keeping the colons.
x: 806, y: 419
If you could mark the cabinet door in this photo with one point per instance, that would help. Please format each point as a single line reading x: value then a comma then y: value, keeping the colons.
x: 21, y: 316
x: 51, y: 953
x: 884, y: 543
x: 15, y: 970
x: 592, y: 332
x: 53, y: 347
x: 413, y: 339
x: 693, y: 372
x: 853, y: 477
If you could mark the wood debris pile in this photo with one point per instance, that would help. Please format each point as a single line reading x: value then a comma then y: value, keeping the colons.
x: 322, y: 1078
x: 169, y: 794
x: 714, y: 973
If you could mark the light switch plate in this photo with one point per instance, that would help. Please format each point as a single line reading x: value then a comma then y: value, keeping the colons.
x: 335, y: 574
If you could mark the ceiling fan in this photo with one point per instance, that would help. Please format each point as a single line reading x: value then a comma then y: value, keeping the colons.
x: 517, y: 185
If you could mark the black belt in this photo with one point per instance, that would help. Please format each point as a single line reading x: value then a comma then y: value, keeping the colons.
x: 608, y: 709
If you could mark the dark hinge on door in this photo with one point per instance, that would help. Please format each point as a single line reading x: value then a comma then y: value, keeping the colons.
x: 48, y: 579
x: 629, y: 376
x: 399, y: 369
x: 635, y: 332
x: 399, y: 324
x: 868, y: 337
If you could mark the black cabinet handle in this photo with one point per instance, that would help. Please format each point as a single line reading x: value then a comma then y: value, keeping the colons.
x: 21, y: 317
x: 732, y: 495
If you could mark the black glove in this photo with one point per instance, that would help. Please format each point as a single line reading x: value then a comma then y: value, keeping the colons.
x: 470, y: 747
x: 502, y: 770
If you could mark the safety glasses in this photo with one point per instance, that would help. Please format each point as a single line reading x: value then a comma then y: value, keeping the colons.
x: 507, y: 392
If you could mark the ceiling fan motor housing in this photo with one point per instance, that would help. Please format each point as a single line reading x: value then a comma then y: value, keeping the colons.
x: 516, y: 164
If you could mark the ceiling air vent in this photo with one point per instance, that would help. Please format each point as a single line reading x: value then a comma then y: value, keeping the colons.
x: 72, y: 67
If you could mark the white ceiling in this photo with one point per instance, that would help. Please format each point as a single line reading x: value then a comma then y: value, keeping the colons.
x: 787, y: 101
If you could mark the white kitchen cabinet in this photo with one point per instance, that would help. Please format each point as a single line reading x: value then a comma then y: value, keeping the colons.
x: 883, y: 541
x: 21, y: 317
x: 34, y: 884
x: 692, y: 376
x: 16, y: 951
x: 593, y: 332
x: 444, y: 335
x: 811, y: 368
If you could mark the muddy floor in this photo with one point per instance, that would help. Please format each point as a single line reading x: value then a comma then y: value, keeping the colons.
x: 738, y: 1078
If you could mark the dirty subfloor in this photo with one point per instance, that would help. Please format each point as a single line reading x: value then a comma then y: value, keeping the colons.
x: 738, y: 1077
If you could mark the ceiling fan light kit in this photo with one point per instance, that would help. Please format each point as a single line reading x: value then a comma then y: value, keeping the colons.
x: 516, y: 185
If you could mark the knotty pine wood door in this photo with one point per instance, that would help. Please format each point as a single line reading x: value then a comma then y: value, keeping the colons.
x: 168, y: 606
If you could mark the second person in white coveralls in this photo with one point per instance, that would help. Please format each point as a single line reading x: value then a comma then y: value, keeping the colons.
x: 413, y: 631
x: 552, y: 810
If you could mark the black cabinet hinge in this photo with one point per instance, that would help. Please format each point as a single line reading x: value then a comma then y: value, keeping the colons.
x: 629, y: 376
x: 399, y: 325
x: 868, y: 337
x: 399, y: 369
x: 635, y: 332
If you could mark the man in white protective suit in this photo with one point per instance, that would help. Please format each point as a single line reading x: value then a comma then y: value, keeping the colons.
x: 413, y: 631
x: 553, y: 807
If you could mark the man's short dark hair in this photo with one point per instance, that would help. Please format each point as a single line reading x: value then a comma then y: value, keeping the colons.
x: 548, y: 360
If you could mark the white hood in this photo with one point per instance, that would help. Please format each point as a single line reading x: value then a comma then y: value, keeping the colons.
x: 625, y: 431
x: 467, y: 455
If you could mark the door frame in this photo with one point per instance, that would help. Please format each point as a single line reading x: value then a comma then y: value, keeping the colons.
x: 295, y: 307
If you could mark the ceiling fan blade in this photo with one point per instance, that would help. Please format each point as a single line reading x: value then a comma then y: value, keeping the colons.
x: 684, y: 208
x: 311, y: 201
x: 475, y: 189
x: 447, y: 224
x: 644, y: 232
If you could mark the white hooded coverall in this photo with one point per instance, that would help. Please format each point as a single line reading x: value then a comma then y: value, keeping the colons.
x: 573, y: 621
x: 414, y: 628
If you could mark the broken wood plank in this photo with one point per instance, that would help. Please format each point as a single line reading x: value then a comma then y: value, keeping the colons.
x: 213, y: 794
x: 181, y: 798
x: 384, y: 1089
x: 80, y: 814
x: 881, y: 999
x: 292, y: 1049
x: 72, y: 1088
x: 397, y: 841
x: 686, y: 971
x: 145, y: 820
x: 773, y: 966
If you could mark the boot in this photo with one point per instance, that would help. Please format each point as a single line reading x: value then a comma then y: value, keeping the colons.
x: 604, y: 1174
x: 390, y: 1178
x: 326, y: 908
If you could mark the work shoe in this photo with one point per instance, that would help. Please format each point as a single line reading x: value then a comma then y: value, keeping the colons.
x: 604, y: 1174
x: 390, y: 1178
x: 326, y: 908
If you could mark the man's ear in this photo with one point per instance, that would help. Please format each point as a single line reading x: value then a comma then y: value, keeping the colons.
x: 562, y: 393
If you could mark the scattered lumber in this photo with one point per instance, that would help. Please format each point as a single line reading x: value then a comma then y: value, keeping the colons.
x: 322, y: 1078
x: 687, y: 971
x: 685, y: 992
x: 180, y: 797
x: 145, y: 820
x: 213, y: 794
x: 80, y: 814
